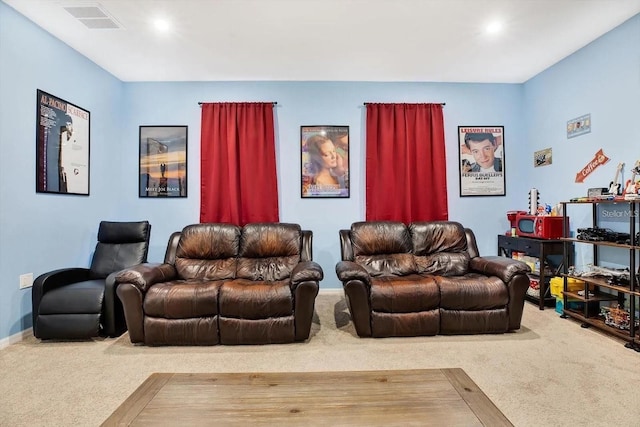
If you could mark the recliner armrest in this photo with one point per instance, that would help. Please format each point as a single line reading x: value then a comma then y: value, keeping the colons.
x: 64, y: 276
x: 143, y: 276
x: 305, y: 271
x: 52, y: 280
x: 502, y: 267
x: 349, y: 270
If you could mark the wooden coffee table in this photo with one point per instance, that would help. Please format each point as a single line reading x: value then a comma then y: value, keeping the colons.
x: 423, y: 397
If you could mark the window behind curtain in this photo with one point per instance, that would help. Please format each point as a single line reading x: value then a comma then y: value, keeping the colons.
x: 406, y: 178
x: 238, y: 163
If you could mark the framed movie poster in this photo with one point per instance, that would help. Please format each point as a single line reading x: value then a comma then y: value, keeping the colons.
x: 62, y: 146
x: 481, y: 160
x: 325, y: 161
x: 163, y: 161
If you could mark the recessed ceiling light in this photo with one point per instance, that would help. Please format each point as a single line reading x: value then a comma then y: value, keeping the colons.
x: 494, y: 27
x: 161, y: 25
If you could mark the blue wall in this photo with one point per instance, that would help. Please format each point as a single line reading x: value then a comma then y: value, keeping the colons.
x: 43, y: 232
x: 602, y: 79
x: 314, y: 103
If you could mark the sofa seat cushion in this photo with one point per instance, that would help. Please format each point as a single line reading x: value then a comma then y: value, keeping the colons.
x: 275, y: 330
x: 182, y: 299
x: 494, y: 321
x: 405, y: 324
x: 77, y: 298
x: 404, y: 294
x: 248, y: 299
x: 196, y: 331
x: 472, y: 292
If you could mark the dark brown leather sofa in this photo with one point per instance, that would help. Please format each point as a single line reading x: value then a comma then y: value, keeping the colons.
x: 224, y: 284
x: 427, y: 278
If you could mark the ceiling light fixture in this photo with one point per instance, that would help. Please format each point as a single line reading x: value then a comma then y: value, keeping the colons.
x: 494, y: 27
x: 161, y: 25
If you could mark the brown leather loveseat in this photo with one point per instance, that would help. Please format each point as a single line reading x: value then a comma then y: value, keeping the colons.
x: 427, y: 278
x: 224, y: 284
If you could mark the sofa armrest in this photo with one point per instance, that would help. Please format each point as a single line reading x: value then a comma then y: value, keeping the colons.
x: 307, y: 271
x: 143, y: 276
x: 349, y: 270
x: 502, y: 267
x: 356, y: 283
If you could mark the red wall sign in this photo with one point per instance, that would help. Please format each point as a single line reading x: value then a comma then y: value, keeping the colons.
x: 598, y: 160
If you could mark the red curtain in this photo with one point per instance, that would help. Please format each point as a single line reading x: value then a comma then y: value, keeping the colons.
x: 406, y: 178
x: 238, y: 175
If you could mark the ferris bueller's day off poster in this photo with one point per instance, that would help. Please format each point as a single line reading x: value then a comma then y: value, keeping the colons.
x: 62, y: 146
x: 481, y: 160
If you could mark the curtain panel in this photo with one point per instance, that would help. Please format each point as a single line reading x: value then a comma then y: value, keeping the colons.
x: 406, y: 178
x: 238, y: 176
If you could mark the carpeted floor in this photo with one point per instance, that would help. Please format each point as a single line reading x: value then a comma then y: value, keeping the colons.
x: 549, y: 373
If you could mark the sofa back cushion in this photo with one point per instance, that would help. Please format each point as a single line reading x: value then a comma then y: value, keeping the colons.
x: 382, y: 248
x: 439, y: 248
x: 208, y: 251
x: 269, y: 251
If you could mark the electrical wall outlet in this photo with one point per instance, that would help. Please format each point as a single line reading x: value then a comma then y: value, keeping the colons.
x: 26, y: 280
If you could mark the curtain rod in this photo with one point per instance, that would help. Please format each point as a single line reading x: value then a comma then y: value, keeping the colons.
x: 274, y: 103
x: 441, y: 103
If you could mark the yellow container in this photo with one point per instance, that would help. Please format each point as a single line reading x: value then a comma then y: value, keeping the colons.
x: 557, y: 285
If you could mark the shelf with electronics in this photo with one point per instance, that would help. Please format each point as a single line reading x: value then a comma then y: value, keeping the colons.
x: 534, y: 239
x: 607, y: 296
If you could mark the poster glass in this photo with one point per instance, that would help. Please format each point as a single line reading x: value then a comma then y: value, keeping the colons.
x: 62, y: 146
x: 481, y: 160
x: 324, y: 161
x: 163, y: 161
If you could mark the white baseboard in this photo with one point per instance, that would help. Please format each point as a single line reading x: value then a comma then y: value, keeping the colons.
x: 6, y: 342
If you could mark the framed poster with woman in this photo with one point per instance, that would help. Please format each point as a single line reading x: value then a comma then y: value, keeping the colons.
x: 324, y: 161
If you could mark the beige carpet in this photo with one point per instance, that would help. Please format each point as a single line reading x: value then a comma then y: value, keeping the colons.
x: 549, y: 373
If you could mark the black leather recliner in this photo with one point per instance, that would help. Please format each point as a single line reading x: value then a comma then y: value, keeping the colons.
x: 80, y: 303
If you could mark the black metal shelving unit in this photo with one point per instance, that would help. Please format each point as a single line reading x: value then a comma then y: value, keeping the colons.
x: 598, y: 290
x: 548, y: 251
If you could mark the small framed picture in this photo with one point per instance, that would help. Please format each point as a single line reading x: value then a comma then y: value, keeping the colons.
x: 324, y: 161
x: 579, y: 126
x: 542, y: 157
x: 163, y: 161
x: 62, y: 146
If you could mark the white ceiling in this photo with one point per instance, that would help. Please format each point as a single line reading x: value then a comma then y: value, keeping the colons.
x: 339, y: 40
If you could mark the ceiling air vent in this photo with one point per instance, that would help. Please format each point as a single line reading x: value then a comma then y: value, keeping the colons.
x: 99, y: 24
x: 93, y: 17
